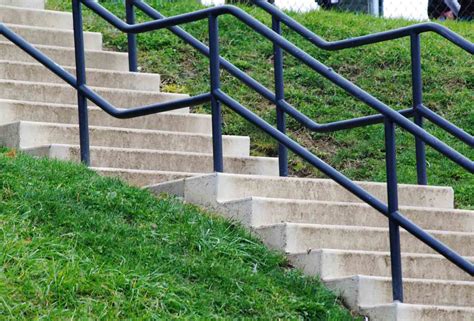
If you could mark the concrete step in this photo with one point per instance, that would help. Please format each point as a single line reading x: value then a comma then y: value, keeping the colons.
x: 13, y: 111
x: 158, y: 160
x: 54, y: 36
x: 258, y: 211
x: 329, y: 264
x: 25, y: 134
x: 32, y: 4
x: 410, y: 312
x: 298, y: 238
x: 65, y: 94
x: 33, y: 16
x: 142, y: 178
x: 362, y: 290
x: 24, y: 71
x: 63, y: 56
x: 226, y: 187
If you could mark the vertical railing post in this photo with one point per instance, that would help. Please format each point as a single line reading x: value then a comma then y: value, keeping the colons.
x: 392, y: 194
x: 81, y: 80
x: 132, y: 38
x: 280, y: 95
x: 417, y: 83
x: 214, y: 68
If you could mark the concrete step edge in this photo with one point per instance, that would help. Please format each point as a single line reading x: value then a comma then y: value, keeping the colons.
x: 48, y: 29
x: 354, y: 228
x: 67, y: 86
x: 416, y: 312
x: 70, y: 49
x: 89, y: 107
x: 73, y: 68
x: 146, y: 151
x: 361, y: 290
x: 124, y: 129
x: 37, y: 4
x: 405, y: 280
x: 4, y: 6
x: 333, y: 263
x: 361, y: 204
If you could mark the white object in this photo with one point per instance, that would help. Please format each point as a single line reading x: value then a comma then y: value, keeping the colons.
x: 292, y: 5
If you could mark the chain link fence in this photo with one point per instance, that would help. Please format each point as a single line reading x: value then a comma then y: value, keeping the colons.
x: 408, y: 9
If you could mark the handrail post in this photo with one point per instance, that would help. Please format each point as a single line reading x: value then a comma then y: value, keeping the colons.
x: 417, y: 83
x: 81, y: 80
x: 280, y: 95
x: 131, y: 38
x: 392, y: 195
x: 214, y: 68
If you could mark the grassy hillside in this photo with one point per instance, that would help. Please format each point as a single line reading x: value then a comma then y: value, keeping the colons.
x: 74, y: 245
x: 383, y: 70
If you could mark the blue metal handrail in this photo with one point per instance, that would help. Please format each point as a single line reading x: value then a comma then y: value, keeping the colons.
x: 419, y: 111
x: 216, y: 96
x: 391, y: 118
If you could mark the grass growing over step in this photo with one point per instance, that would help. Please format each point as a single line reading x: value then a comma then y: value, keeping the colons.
x: 382, y: 69
x: 74, y: 245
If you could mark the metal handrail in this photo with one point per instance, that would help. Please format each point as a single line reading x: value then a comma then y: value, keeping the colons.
x: 396, y: 219
x: 367, y: 39
x: 419, y: 111
x: 217, y: 96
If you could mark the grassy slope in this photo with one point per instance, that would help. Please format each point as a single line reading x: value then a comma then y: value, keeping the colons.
x: 75, y: 245
x: 383, y: 70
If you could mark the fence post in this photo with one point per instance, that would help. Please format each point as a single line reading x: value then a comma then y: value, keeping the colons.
x: 417, y: 84
x: 280, y: 95
x: 214, y: 68
x: 132, y: 38
x: 81, y: 80
x: 392, y: 194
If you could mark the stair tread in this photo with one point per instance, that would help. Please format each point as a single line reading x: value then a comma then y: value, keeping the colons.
x: 124, y: 130
x: 405, y: 280
x: 355, y: 228
x: 376, y: 253
x: 108, y: 71
x: 145, y: 151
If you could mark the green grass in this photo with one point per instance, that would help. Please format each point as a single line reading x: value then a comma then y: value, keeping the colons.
x: 383, y: 70
x: 74, y: 245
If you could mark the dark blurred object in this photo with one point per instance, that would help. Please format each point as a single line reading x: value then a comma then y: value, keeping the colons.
x: 437, y: 8
x: 467, y: 10
x: 239, y: 1
x: 325, y: 4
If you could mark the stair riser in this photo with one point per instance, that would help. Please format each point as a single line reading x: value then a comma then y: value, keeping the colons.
x: 367, y: 292
x: 60, y: 94
x: 267, y: 212
x: 31, y: 4
x: 98, y: 78
x: 13, y: 111
x: 227, y: 188
x: 26, y: 135
x: 335, y: 264
x: 142, y: 178
x: 52, y: 37
x: 326, y: 190
x: 298, y: 239
x: 65, y: 57
x: 161, y: 161
x: 408, y: 312
x: 38, y: 18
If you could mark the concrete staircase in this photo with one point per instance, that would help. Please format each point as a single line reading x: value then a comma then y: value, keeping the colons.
x: 39, y: 113
x: 323, y: 229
